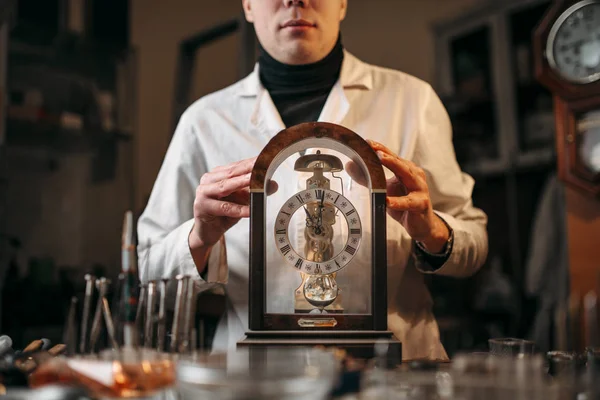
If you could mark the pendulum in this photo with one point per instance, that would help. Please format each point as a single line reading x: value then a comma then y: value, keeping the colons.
x: 320, y: 290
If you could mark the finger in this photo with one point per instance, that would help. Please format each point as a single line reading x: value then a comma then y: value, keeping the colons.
x: 242, y: 196
x: 356, y: 173
x: 239, y: 197
x: 224, y: 172
x: 395, y: 187
x: 413, y: 202
x: 208, y: 209
x: 225, y: 187
x: 379, y: 147
x: 409, y: 174
x: 245, y: 163
x: 272, y: 187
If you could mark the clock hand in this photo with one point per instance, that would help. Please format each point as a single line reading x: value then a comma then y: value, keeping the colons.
x: 320, y: 219
x: 309, y: 217
x: 316, y: 225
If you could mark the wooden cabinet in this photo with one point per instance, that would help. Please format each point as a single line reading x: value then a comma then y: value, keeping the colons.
x: 568, y: 32
x: 567, y: 51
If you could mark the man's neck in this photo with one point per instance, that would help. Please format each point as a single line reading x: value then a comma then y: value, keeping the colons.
x: 300, y: 91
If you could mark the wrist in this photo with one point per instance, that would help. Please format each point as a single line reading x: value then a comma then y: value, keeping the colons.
x: 199, y: 250
x: 438, y: 238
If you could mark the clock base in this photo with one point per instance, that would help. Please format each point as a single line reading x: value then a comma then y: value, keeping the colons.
x: 358, y: 344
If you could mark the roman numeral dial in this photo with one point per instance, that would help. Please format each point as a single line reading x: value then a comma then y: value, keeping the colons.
x: 306, y: 203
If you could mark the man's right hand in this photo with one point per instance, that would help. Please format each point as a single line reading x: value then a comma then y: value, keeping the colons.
x: 222, y: 199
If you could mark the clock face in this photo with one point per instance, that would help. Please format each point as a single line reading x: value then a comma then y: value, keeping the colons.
x: 329, y: 201
x: 573, y: 47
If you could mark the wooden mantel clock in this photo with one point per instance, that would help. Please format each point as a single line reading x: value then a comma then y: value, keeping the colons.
x: 318, y: 268
x: 567, y: 62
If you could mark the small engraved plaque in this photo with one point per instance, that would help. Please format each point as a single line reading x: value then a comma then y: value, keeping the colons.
x: 317, y: 322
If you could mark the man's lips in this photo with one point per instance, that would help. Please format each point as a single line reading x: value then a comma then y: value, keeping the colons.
x: 298, y: 23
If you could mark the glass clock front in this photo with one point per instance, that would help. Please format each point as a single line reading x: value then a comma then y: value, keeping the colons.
x: 588, y: 133
x: 318, y: 244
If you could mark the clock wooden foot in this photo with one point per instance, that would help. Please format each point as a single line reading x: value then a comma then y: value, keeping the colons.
x: 357, y: 344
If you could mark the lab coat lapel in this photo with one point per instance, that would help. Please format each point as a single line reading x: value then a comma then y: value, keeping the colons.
x: 353, y: 76
x: 337, y: 105
x: 266, y: 118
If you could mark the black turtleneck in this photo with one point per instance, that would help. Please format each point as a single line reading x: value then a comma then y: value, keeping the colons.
x: 300, y: 91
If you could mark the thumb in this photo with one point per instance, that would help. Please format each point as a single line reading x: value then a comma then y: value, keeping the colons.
x: 356, y: 173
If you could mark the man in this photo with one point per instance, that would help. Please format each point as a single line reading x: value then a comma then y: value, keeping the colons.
x: 196, y: 219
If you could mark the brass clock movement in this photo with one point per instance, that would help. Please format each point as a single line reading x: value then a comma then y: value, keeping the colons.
x: 567, y: 61
x: 318, y: 269
x: 317, y: 258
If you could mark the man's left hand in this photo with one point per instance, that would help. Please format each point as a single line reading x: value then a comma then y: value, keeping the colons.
x: 408, y: 200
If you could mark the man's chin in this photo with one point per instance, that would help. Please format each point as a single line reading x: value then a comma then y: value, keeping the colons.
x: 301, y: 52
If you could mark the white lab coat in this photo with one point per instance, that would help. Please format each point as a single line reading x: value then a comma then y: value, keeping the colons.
x: 235, y: 123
